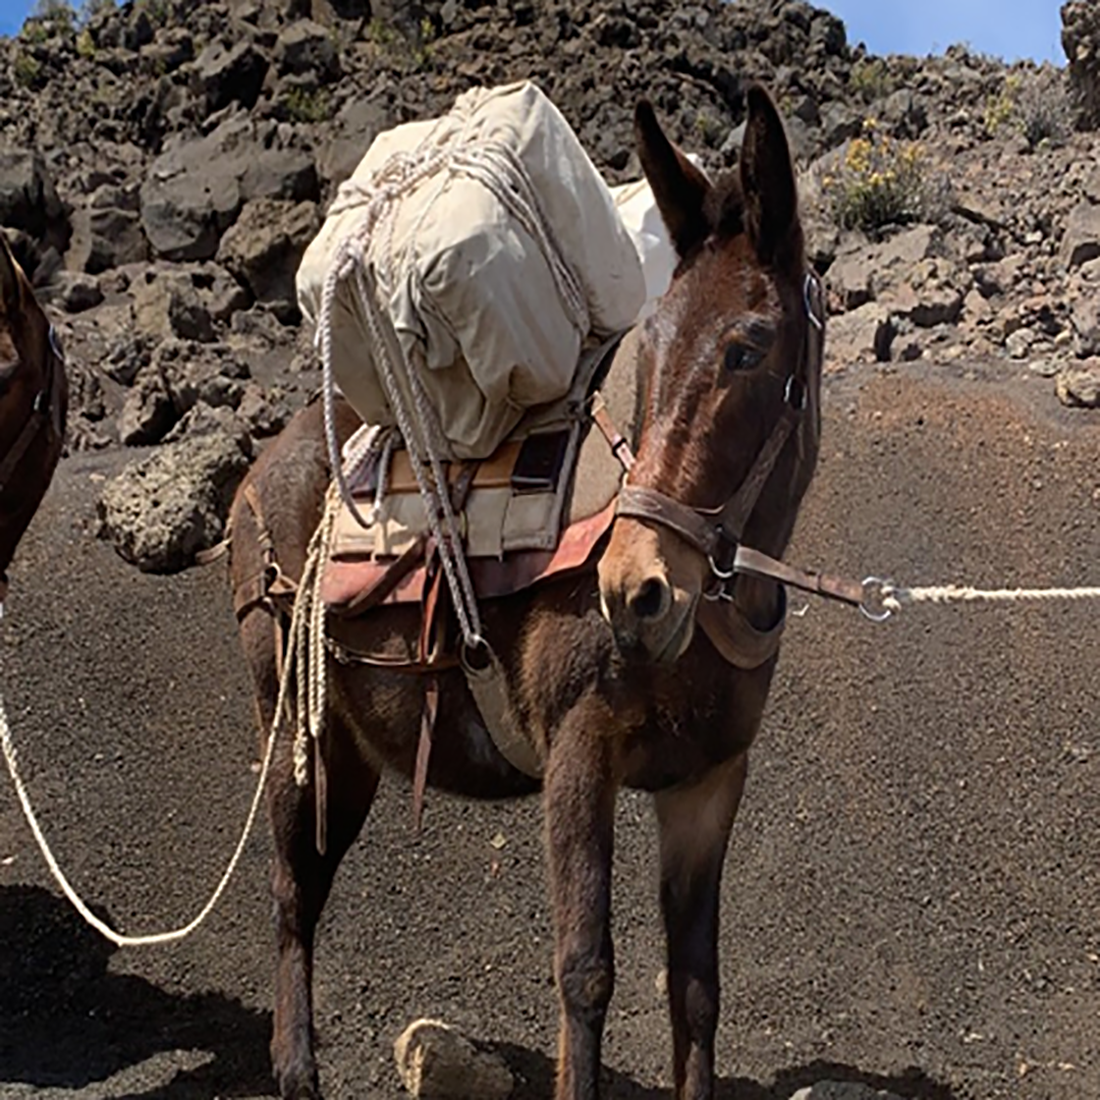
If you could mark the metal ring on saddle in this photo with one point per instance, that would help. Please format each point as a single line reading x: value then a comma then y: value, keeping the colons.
x: 466, y: 650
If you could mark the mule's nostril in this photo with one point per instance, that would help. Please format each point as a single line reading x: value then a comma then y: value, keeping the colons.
x: 651, y: 599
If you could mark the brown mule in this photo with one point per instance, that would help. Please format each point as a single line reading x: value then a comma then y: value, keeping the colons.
x: 613, y: 684
x: 33, y: 405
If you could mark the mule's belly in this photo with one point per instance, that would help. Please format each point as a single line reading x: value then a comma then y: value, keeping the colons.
x: 384, y: 712
x: 671, y: 724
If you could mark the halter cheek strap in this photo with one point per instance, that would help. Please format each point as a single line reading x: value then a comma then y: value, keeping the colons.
x: 44, y: 410
x: 716, y: 533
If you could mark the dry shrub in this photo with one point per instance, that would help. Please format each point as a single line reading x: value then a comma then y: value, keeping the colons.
x: 1035, y: 104
x: 878, y: 181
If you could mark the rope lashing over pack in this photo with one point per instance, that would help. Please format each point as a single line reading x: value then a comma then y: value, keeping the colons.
x: 500, y: 170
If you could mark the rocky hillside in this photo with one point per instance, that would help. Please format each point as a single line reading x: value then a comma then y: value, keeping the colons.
x: 163, y: 165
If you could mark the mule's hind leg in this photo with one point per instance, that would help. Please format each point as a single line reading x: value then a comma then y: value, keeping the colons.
x: 695, y: 825
x: 580, y: 789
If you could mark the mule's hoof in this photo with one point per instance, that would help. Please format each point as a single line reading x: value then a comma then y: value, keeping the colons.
x: 296, y: 1086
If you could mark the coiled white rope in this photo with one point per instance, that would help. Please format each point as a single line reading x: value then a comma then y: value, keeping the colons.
x: 288, y: 676
x: 307, y: 643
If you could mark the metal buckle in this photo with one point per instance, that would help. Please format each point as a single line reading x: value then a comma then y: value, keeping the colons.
x: 811, y: 282
x: 794, y: 394
x: 55, y: 344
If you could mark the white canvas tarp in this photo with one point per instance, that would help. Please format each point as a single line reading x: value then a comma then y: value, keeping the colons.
x: 479, y: 309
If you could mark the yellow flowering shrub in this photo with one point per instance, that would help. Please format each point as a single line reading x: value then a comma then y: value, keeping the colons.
x: 879, y: 181
x: 1035, y: 104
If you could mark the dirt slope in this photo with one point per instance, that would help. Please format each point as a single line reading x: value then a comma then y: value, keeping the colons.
x: 912, y: 897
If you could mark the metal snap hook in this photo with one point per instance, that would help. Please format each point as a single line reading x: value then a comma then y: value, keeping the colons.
x: 873, y: 602
x: 718, y: 594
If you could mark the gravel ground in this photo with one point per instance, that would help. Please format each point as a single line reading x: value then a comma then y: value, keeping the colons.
x: 912, y: 898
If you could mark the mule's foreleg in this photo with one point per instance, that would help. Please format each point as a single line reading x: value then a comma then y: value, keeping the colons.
x: 580, y: 789
x: 695, y: 825
x: 301, y: 880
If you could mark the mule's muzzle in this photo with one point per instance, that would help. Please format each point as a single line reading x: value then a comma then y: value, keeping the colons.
x: 648, y: 621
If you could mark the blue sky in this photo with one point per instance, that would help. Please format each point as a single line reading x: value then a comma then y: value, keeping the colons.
x: 1011, y: 29
x: 1006, y: 28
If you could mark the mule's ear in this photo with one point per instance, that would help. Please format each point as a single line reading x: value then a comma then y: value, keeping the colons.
x: 768, y: 184
x: 11, y: 289
x: 678, y: 186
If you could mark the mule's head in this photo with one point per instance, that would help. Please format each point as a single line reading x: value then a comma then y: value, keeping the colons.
x: 727, y: 351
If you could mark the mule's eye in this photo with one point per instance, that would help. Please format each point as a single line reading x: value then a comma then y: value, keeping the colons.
x: 741, y: 357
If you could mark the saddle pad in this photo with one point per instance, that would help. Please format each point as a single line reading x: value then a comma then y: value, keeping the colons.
x: 512, y: 539
x: 497, y: 519
x: 346, y: 583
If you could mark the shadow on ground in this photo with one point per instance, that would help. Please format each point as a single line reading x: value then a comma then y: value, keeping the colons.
x: 66, y: 1021
x: 537, y: 1071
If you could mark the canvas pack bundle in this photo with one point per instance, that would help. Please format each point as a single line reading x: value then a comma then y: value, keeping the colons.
x: 495, y: 249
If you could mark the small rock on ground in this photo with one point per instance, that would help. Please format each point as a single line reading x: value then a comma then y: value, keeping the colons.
x: 1080, y: 387
x: 842, y: 1090
x: 436, y: 1062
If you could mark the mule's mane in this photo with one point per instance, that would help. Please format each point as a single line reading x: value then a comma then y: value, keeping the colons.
x: 729, y: 215
x: 724, y: 206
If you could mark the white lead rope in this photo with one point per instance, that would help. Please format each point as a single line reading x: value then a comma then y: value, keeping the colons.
x: 883, y: 599
x: 69, y: 891
x: 894, y: 599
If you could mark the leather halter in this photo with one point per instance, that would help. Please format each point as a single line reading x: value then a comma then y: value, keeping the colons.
x: 45, y: 410
x: 716, y: 532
